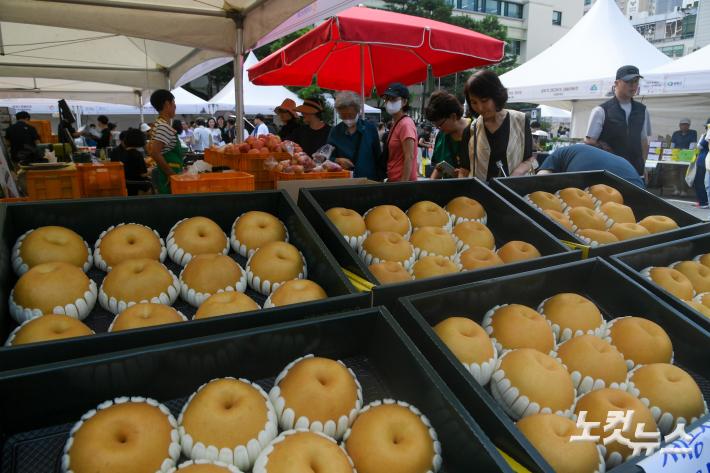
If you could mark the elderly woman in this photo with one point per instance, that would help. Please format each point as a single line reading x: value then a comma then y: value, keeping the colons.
x: 451, y: 145
x: 501, y: 143
x: 356, y: 142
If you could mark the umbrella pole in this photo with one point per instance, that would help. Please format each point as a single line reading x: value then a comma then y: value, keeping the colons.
x: 239, y: 81
x: 362, y: 79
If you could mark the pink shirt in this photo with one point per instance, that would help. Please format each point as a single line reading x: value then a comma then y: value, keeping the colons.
x: 405, y: 129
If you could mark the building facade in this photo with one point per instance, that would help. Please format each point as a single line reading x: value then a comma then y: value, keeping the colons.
x: 675, y: 27
x: 672, y: 27
x: 533, y: 25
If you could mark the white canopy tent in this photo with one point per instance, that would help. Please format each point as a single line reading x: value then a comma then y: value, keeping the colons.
x: 687, y: 75
x: 259, y: 98
x: 567, y: 77
x: 565, y: 71
x: 554, y: 113
x: 26, y: 87
x: 187, y: 104
x: 98, y: 40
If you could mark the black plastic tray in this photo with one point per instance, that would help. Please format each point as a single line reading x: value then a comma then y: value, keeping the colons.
x: 506, y: 223
x: 614, y: 293
x: 641, y: 201
x: 33, y: 428
x: 89, y: 217
x: 665, y: 254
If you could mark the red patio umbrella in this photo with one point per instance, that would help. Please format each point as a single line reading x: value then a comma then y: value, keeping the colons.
x: 362, y: 48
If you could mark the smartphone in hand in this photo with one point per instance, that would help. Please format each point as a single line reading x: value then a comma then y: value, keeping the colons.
x: 446, y: 170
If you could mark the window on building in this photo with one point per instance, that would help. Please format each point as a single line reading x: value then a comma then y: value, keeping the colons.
x: 471, y: 5
x: 689, y: 26
x: 512, y: 47
x: 647, y: 30
x: 493, y: 7
x: 673, y: 51
x: 513, y: 10
x: 674, y: 28
x: 557, y: 18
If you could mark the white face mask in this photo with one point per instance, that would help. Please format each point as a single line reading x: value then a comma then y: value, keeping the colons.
x: 350, y: 122
x: 393, y: 107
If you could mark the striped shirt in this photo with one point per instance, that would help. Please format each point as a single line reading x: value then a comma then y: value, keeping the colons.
x: 162, y: 131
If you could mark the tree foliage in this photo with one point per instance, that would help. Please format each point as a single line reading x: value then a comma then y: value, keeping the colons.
x: 441, y: 10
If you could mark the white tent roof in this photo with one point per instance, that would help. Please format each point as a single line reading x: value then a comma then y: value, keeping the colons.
x: 553, y: 112
x: 583, y: 63
x: 97, y: 40
x: 26, y: 87
x: 257, y: 98
x: 187, y: 103
x: 687, y: 75
x: 698, y: 61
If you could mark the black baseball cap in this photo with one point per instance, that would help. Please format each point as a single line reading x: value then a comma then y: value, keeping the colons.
x: 628, y: 73
x: 397, y: 89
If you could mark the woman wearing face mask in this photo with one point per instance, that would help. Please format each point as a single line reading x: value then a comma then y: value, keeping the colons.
x: 215, y: 132
x: 313, y: 134
x: 357, y: 144
x: 501, y: 143
x: 451, y: 146
x: 401, y: 145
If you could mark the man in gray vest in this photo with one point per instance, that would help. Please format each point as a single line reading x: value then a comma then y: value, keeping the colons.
x: 621, y: 125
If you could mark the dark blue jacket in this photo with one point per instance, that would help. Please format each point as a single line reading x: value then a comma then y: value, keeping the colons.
x: 369, y: 148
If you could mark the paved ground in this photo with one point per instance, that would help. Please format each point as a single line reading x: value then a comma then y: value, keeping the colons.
x: 689, y: 206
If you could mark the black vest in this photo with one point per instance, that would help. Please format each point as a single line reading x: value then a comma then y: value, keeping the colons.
x: 624, y: 139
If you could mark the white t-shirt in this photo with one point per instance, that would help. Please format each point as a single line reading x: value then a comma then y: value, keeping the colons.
x: 596, y: 122
x: 261, y: 130
x: 200, y: 138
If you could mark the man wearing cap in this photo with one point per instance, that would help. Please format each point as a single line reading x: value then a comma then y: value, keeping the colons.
x: 684, y: 137
x: 313, y: 134
x: 260, y: 127
x: 621, y: 125
x: 289, y: 117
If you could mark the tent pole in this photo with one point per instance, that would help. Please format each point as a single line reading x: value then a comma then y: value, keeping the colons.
x: 139, y: 97
x: 239, y: 78
x: 362, y: 79
x: 77, y: 113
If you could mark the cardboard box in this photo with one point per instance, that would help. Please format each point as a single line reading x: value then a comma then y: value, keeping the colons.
x: 292, y: 187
